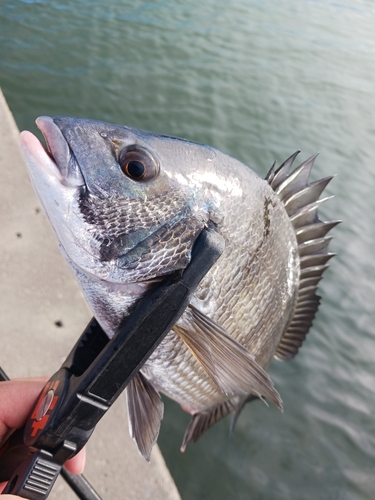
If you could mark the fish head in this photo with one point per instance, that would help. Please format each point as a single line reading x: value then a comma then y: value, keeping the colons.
x: 126, y: 205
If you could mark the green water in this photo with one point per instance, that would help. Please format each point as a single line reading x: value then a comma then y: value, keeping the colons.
x: 257, y: 79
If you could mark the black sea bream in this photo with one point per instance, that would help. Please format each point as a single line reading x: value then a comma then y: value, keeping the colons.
x: 127, y: 207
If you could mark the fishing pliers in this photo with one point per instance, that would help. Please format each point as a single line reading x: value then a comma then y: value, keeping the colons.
x: 93, y: 375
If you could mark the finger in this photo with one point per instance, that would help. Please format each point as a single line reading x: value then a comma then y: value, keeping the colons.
x: 76, y: 464
x: 17, y: 398
x: 9, y: 497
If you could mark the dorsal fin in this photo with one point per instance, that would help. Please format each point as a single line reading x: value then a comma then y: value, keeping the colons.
x: 301, y: 201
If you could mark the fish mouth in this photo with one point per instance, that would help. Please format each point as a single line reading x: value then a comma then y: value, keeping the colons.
x: 56, y: 157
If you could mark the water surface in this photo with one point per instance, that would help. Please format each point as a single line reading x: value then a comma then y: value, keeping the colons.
x: 258, y: 80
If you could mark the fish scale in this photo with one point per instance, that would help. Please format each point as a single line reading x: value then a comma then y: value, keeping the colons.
x: 255, y: 271
x: 122, y: 230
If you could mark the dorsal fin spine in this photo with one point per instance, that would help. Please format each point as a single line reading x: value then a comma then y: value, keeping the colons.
x: 308, y: 214
x: 282, y: 172
x: 301, y: 201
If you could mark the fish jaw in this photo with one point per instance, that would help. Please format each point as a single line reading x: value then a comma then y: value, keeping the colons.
x: 58, y: 183
x: 57, y: 158
x: 37, y: 157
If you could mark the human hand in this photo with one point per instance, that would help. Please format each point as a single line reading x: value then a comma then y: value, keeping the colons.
x: 17, y: 398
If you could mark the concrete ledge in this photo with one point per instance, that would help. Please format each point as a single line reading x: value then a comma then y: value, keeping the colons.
x: 38, y: 293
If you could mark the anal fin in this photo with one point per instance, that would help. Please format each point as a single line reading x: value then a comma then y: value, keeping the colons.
x: 145, y: 410
x: 202, y: 421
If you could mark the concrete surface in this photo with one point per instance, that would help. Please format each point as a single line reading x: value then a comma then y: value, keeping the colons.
x: 36, y: 291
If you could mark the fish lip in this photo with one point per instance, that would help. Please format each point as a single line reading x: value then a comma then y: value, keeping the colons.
x: 56, y: 144
x: 59, y: 151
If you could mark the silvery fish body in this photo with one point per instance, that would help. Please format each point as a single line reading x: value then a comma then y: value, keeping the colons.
x: 127, y: 207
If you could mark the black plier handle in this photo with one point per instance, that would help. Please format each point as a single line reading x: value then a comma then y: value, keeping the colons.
x: 95, y: 373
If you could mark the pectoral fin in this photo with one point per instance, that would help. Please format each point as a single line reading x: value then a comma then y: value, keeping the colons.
x: 145, y: 409
x: 226, y: 361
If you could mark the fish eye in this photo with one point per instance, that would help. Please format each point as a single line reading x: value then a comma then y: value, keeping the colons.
x: 138, y: 163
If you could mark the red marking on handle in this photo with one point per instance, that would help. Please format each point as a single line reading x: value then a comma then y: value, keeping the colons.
x: 38, y: 425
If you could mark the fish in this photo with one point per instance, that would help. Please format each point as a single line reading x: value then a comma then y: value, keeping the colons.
x: 127, y: 206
